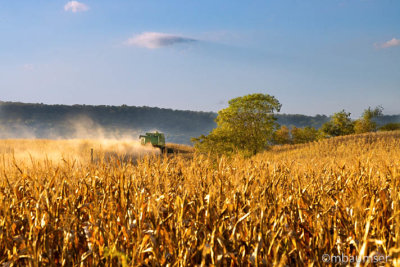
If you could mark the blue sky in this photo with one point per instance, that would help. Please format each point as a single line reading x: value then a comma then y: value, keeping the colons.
x: 316, y: 57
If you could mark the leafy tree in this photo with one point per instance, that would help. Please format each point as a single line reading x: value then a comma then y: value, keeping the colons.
x: 282, y: 136
x: 217, y: 142
x: 340, y: 124
x: 246, y: 126
x: 304, y: 135
x: 365, y: 123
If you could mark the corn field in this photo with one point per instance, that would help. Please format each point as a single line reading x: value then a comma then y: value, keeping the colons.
x: 284, y: 207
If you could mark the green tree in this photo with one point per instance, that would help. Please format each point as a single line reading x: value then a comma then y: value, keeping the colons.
x: 365, y: 123
x: 340, y: 124
x: 304, y: 135
x: 246, y: 126
x: 282, y: 136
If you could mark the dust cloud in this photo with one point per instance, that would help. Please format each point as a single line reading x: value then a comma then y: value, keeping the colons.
x: 84, y: 136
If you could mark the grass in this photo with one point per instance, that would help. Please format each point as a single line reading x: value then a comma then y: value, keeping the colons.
x: 287, y: 206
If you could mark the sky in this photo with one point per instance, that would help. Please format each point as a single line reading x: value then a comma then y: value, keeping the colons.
x: 315, y: 57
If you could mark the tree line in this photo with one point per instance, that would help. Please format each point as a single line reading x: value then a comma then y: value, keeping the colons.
x: 339, y: 124
x: 25, y: 120
x: 249, y: 125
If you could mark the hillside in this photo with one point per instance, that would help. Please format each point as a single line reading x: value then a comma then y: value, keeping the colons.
x: 20, y: 120
x: 23, y: 120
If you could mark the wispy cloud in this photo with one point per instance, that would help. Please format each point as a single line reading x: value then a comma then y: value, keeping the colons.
x: 28, y: 66
x: 390, y: 43
x: 152, y: 40
x: 75, y: 6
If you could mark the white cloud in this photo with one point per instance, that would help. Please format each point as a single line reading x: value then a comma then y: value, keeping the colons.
x: 75, y: 6
x: 28, y: 66
x: 154, y: 40
x: 390, y: 43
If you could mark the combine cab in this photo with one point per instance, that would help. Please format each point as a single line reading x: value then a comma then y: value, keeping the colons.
x: 155, y: 139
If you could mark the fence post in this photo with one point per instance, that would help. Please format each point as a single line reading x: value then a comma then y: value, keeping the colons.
x: 91, y: 155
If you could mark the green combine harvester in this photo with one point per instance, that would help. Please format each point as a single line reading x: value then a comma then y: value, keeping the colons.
x: 155, y: 139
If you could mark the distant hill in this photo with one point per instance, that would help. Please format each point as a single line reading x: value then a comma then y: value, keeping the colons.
x: 23, y: 120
